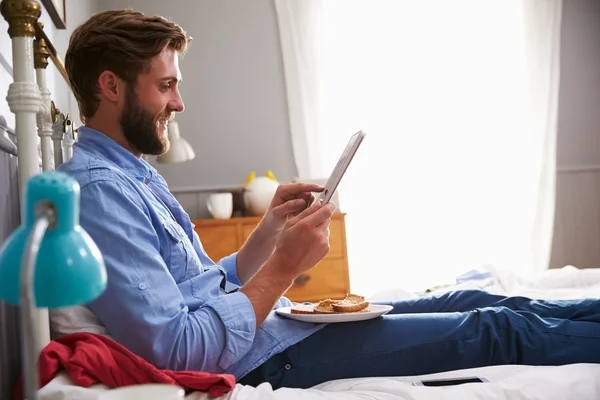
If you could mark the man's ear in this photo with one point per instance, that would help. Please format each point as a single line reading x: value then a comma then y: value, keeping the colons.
x: 111, y: 86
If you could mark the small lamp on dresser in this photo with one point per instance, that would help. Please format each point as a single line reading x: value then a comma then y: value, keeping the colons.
x: 49, y: 261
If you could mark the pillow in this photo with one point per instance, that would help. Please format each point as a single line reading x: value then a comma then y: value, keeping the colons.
x: 67, y: 320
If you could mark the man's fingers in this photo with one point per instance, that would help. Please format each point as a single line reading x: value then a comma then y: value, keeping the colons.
x: 293, y: 190
x: 305, y: 187
x: 289, y: 207
x: 322, y: 214
x: 310, y: 199
x: 314, y: 215
x: 310, y: 210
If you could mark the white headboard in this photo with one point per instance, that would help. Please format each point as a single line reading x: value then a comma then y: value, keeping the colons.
x: 36, y: 144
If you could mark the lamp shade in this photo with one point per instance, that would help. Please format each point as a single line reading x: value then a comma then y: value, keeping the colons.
x: 69, y: 268
x: 180, y: 150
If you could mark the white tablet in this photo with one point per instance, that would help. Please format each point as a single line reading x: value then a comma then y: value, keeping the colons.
x: 341, y: 166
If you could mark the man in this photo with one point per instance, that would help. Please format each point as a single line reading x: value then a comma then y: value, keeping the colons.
x: 169, y: 303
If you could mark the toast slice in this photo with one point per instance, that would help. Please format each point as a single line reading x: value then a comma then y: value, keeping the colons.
x: 302, y: 309
x: 325, y: 307
x: 352, y: 303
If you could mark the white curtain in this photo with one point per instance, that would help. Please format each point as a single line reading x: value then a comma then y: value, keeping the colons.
x: 459, y: 102
x: 299, y: 27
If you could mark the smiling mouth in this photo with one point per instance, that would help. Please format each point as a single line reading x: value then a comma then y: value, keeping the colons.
x: 162, y: 124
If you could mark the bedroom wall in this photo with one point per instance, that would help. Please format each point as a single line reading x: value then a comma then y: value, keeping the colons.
x: 77, y: 11
x: 577, y: 222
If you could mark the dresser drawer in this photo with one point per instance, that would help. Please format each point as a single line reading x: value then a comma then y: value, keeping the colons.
x: 218, y: 241
x: 327, y: 280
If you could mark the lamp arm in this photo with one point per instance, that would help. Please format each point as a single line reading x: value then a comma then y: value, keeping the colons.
x: 45, y: 218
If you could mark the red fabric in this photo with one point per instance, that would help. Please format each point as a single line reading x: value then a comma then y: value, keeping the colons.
x: 89, y: 359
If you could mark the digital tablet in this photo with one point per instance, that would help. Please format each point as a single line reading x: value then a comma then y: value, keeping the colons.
x: 341, y: 166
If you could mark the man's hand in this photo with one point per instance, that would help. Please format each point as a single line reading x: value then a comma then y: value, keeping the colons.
x: 305, y: 240
x: 290, y: 200
x: 303, y: 243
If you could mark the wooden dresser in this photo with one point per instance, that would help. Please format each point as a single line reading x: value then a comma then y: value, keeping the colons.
x: 328, y: 279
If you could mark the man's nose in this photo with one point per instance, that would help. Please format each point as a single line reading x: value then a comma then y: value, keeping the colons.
x: 176, y: 103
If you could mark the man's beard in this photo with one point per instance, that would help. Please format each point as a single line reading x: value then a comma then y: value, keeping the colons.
x: 140, y: 127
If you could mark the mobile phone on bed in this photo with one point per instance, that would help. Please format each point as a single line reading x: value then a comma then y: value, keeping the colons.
x: 341, y: 166
x: 450, y: 381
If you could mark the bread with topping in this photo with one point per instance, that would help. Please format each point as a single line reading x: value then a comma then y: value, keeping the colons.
x: 352, y: 303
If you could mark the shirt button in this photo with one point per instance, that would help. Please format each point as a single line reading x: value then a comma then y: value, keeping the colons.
x: 142, y: 286
x: 288, y: 367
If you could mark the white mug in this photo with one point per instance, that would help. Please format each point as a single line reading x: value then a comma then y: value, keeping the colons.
x: 220, y: 205
x: 149, y: 391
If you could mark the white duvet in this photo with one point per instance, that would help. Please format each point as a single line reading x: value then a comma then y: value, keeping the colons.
x: 576, y: 381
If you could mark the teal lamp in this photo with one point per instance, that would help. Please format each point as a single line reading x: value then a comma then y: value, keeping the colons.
x: 49, y: 261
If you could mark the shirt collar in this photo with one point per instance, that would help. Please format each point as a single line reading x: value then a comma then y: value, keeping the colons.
x: 106, y: 147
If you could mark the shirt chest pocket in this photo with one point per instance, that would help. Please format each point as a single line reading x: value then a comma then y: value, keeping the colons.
x: 181, y: 258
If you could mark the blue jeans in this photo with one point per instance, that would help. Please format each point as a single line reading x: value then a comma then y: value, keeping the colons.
x: 455, y: 330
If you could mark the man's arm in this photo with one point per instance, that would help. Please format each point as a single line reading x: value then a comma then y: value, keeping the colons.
x: 143, y: 308
x: 255, y: 252
x: 303, y: 243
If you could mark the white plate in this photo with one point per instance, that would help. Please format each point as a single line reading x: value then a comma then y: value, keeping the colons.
x: 376, y: 310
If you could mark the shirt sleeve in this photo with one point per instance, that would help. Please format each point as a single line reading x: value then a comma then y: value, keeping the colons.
x: 142, y: 307
x: 229, y: 264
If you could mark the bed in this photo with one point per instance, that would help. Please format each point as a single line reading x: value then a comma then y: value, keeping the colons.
x: 37, y: 121
x: 576, y: 381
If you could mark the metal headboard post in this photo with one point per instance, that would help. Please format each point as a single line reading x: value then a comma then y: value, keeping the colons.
x: 25, y: 101
x: 44, y: 116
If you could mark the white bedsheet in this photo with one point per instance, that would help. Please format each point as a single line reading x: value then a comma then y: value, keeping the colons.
x: 577, y: 381
x: 561, y: 283
x: 507, y: 382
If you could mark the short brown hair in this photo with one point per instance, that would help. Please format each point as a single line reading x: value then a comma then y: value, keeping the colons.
x: 122, y: 41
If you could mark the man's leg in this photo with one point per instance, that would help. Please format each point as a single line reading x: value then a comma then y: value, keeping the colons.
x: 415, y: 344
x: 466, y: 300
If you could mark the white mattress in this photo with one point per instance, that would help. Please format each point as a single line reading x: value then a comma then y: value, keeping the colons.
x: 577, y: 381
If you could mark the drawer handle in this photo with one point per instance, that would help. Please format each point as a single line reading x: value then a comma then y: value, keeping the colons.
x: 301, y: 280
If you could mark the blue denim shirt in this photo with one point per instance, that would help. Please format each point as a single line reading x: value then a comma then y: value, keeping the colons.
x: 166, y: 300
